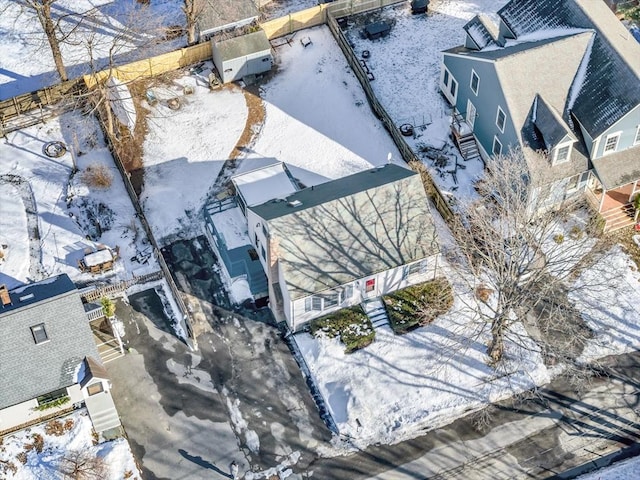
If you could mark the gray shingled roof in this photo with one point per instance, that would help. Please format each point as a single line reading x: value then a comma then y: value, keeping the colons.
x: 477, y: 29
x: 243, y: 45
x: 551, y: 125
x: 29, y: 370
x: 350, y: 228
x: 609, y: 88
x: 619, y: 168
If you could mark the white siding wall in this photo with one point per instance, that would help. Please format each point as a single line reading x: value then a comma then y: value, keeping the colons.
x: 385, y: 282
x: 24, y: 412
x: 254, y: 227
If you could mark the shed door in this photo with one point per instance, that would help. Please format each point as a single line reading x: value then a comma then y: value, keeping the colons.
x: 471, y: 113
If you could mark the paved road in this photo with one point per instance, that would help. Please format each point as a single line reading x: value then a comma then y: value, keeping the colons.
x: 241, y: 397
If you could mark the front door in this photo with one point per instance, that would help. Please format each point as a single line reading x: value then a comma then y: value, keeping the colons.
x: 370, y: 289
x: 471, y: 114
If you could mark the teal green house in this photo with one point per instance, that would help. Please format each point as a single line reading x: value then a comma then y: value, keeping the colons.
x: 559, y: 80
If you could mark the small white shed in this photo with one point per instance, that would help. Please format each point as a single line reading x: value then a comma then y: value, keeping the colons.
x: 241, y: 56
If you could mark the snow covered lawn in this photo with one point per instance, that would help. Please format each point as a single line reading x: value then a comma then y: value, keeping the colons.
x: 401, y: 385
x: 38, y: 453
x: 25, y: 56
x: 318, y: 120
x: 66, y: 209
x: 185, y: 149
x: 625, y: 470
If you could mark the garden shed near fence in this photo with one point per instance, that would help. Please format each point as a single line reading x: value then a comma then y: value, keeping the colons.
x: 242, y: 56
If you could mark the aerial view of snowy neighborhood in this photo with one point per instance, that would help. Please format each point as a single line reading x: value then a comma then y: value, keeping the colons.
x: 332, y: 240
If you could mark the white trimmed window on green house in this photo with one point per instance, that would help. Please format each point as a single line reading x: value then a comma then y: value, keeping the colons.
x: 561, y: 153
x: 497, y: 146
x: 636, y: 141
x: 611, y: 143
x: 475, y: 82
x: 501, y: 119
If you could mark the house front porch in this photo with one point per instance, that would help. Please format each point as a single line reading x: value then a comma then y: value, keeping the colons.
x: 614, y: 205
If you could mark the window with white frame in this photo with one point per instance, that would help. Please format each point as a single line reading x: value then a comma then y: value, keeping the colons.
x: 454, y: 88
x: 445, y: 78
x: 330, y: 300
x: 475, y: 82
x: 501, y: 118
x: 497, y: 146
x: 312, y: 303
x: 636, y: 141
x: 611, y: 143
x: 561, y: 153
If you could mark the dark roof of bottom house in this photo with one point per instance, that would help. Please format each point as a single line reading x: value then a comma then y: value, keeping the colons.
x: 45, y: 337
x: 349, y: 228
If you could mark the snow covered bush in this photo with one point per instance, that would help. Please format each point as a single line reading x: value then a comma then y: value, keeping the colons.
x: 351, y: 325
x: 97, y: 176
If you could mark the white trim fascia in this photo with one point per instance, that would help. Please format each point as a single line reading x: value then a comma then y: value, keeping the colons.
x: 467, y: 57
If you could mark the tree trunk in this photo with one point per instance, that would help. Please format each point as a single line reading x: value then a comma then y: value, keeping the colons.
x: 496, y: 347
x: 44, y: 15
x: 191, y: 32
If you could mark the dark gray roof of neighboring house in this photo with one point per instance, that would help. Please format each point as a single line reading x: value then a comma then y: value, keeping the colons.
x: 350, y: 228
x: 551, y: 125
x: 29, y: 370
x: 243, y: 45
x: 608, y: 85
x: 221, y: 14
x: 619, y: 168
x: 37, y: 292
x: 479, y: 29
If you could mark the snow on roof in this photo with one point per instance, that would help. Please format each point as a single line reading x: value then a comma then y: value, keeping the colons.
x: 264, y: 184
x: 232, y: 225
x: 122, y: 103
x: 98, y: 258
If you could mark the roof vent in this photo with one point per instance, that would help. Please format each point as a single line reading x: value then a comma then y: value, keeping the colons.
x: 4, y: 296
x: 295, y: 203
x: 27, y: 297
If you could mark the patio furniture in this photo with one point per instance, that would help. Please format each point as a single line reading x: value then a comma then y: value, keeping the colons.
x: 377, y: 30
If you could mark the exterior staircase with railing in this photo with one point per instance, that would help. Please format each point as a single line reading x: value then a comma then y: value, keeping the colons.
x: 462, y: 134
x: 619, y: 217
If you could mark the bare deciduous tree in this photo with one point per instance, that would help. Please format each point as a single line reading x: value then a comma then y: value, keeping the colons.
x: 192, y: 10
x: 82, y: 465
x: 42, y: 9
x: 523, y: 256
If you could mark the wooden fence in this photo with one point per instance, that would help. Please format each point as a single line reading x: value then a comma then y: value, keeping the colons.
x: 314, y: 16
x: 153, y: 66
x: 407, y: 154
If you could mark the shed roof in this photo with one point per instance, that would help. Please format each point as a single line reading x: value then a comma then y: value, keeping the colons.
x: 242, y: 46
x: 92, y: 369
x: 29, y: 369
x: 350, y: 228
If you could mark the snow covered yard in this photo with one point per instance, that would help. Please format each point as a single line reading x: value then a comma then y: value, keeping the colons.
x: 406, y: 66
x: 402, y: 385
x: 42, y: 452
x: 318, y: 120
x: 26, y: 59
x: 185, y: 149
x: 69, y: 214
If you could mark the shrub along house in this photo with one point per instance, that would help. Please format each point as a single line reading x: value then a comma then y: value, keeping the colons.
x: 342, y: 242
x: 46, y: 340
x: 561, y: 77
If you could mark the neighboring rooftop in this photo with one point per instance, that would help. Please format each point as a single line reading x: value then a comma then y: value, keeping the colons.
x: 44, y: 340
x: 37, y: 292
x: 224, y: 14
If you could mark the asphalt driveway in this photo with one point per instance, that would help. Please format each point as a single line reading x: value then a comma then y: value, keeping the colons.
x: 241, y: 397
